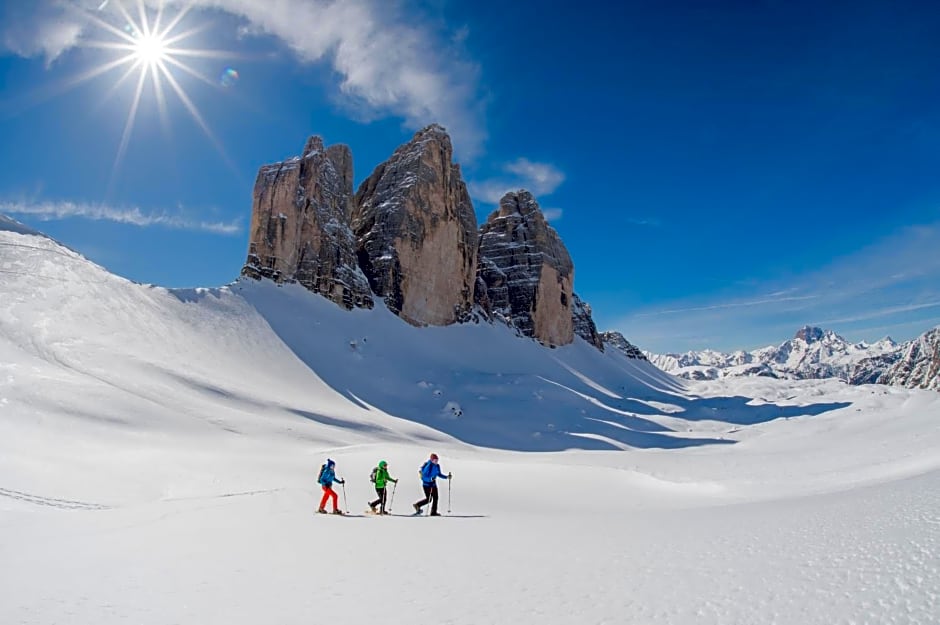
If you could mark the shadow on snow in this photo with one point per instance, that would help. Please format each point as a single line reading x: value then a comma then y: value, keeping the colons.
x: 483, y: 385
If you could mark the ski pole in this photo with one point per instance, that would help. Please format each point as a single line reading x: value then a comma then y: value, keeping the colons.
x: 448, y: 493
x: 345, y: 505
x: 392, y: 500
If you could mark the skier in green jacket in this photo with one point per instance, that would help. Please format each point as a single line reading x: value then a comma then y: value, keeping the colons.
x: 381, y: 479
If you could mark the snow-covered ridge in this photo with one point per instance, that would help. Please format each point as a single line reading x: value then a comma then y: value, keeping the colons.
x: 159, y: 450
x: 293, y: 352
x: 814, y: 353
x: 8, y: 224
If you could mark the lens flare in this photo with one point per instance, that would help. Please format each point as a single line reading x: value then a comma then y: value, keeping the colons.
x: 229, y: 78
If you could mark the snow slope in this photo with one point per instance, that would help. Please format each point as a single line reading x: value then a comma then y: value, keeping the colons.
x: 158, y: 452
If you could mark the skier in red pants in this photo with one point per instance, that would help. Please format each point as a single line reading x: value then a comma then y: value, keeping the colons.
x: 326, y: 478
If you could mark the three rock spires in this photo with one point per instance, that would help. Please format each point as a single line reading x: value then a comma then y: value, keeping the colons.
x: 409, y: 235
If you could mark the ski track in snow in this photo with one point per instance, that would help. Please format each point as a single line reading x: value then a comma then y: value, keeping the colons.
x: 158, y: 453
x: 823, y: 559
x: 65, y: 504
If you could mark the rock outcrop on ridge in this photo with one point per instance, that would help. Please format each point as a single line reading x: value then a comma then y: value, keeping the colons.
x: 917, y: 364
x: 409, y: 235
x: 300, y: 225
x: 525, y: 271
x: 417, y: 234
x: 583, y: 322
x: 617, y: 341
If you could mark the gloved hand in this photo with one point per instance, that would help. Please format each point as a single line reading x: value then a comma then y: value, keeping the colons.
x: 341, y: 481
x: 450, y: 475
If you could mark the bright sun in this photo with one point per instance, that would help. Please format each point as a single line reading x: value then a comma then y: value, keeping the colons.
x: 150, y: 49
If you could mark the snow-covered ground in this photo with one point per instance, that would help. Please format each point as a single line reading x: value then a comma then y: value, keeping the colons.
x: 159, y: 449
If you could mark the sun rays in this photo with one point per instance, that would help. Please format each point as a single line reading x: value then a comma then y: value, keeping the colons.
x: 150, y: 54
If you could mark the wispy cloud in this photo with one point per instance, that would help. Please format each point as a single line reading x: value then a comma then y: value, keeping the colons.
x: 390, y: 58
x: 648, y: 222
x: 879, y: 313
x: 49, y: 211
x: 895, y: 280
x: 543, y: 178
x: 540, y: 178
x: 773, y: 299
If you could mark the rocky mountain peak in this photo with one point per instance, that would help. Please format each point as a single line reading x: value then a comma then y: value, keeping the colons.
x: 313, y: 146
x: 583, y: 321
x: 810, y: 334
x: 814, y: 354
x: 432, y: 132
x: 416, y: 232
x: 886, y: 343
x: 525, y: 272
x: 617, y: 341
x: 300, y: 225
x: 409, y: 235
x: 917, y: 364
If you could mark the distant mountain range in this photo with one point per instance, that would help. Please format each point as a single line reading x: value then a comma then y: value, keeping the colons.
x: 814, y: 353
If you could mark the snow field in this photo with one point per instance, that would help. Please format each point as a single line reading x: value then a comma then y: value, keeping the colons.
x: 159, y: 451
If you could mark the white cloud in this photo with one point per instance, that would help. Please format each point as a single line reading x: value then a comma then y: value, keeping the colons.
x: 540, y: 178
x: 877, y: 313
x: 389, y: 60
x: 38, y: 30
x: 48, y: 211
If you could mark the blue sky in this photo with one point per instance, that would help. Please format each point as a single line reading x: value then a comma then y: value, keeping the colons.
x: 721, y: 172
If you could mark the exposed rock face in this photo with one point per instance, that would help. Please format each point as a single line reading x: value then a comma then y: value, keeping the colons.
x: 617, y: 341
x: 409, y: 235
x: 526, y: 271
x: 300, y: 225
x: 417, y: 234
x: 583, y: 323
x: 918, y: 365
x: 873, y: 370
x: 810, y: 334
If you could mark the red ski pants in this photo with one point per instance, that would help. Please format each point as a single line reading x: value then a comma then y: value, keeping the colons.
x: 328, y: 493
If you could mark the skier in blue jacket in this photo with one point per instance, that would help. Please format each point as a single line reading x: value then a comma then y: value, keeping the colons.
x: 325, y: 479
x: 430, y: 471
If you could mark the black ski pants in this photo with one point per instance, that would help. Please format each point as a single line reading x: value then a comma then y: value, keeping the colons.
x: 430, y: 496
x: 381, y: 500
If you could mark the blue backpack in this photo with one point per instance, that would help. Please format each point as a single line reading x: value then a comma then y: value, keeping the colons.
x: 427, y: 472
